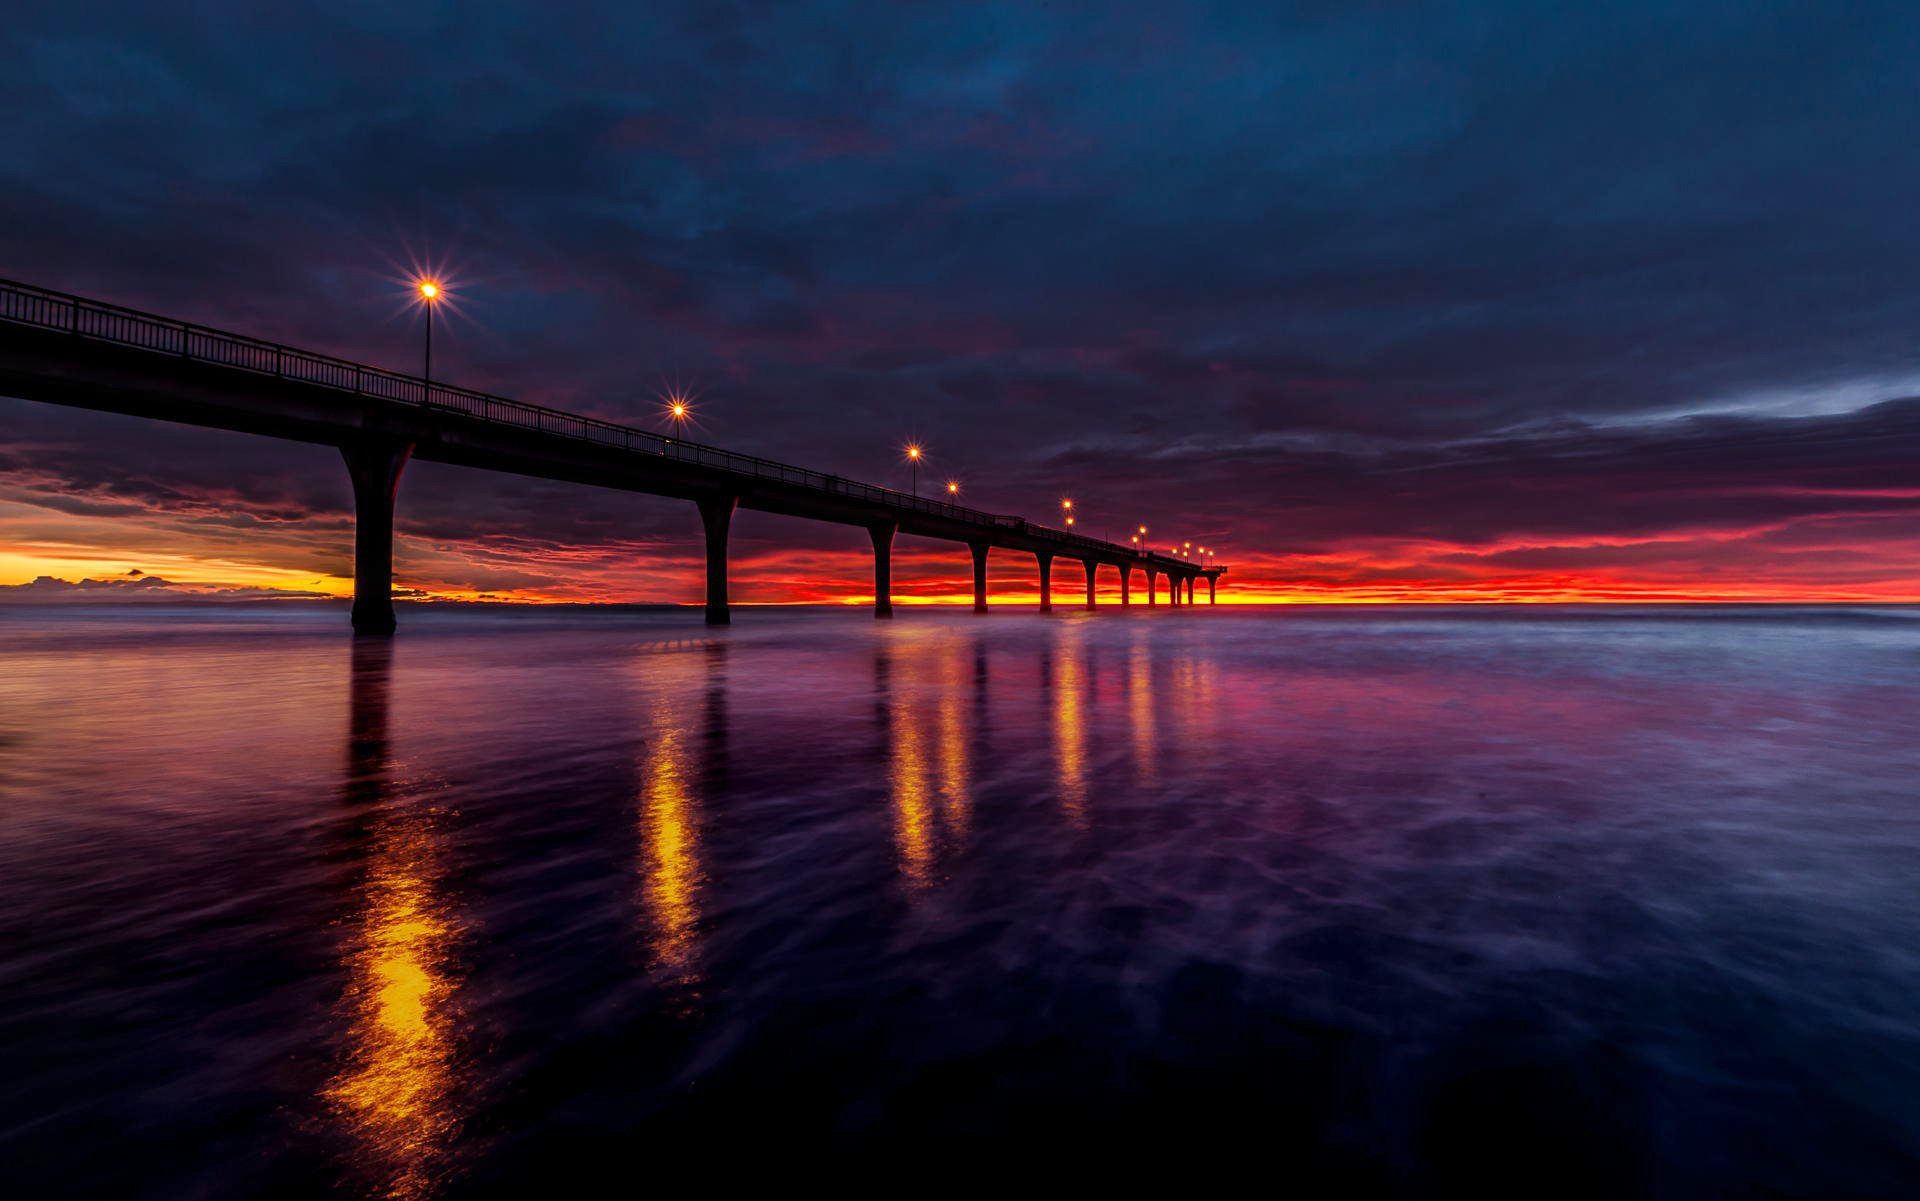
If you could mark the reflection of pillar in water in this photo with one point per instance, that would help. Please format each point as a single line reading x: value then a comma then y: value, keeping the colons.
x: 396, y: 1093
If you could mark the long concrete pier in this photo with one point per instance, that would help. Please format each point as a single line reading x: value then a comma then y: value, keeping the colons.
x: 68, y: 350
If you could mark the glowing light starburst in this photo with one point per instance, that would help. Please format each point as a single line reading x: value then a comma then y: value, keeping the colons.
x: 428, y: 283
x: 680, y: 409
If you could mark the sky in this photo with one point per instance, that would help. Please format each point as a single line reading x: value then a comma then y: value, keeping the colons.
x: 1449, y: 301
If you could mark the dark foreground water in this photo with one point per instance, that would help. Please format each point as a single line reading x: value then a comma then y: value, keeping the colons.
x: 1572, y: 902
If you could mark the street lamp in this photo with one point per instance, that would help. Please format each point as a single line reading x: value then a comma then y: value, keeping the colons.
x: 430, y: 292
x: 913, y: 458
x: 953, y: 487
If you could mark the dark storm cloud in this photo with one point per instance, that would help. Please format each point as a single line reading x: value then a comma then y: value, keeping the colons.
x: 1352, y: 270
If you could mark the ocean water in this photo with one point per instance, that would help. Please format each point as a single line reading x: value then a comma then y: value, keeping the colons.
x: 1554, y: 902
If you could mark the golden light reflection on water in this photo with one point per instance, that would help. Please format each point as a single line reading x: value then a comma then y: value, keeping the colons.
x: 921, y: 679
x: 1146, y: 754
x: 398, y: 1093
x: 956, y: 782
x: 1070, y: 727
x: 686, y: 731
x: 912, y: 808
x: 670, y: 842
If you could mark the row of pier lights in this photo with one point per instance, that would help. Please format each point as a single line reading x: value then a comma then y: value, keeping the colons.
x: 375, y: 465
x: 375, y: 468
x: 717, y: 516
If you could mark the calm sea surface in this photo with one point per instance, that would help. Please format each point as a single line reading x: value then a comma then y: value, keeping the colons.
x: 1583, y: 902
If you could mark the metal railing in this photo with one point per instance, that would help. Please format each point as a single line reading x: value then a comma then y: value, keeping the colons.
x: 26, y: 304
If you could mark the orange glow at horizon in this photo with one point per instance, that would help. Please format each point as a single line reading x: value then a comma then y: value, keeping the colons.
x: 311, y: 558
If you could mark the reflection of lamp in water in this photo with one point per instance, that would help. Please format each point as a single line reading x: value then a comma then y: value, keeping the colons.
x: 907, y: 770
x: 672, y: 870
x: 670, y: 829
x: 396, y: 1092
x: 1070, y: 731
x: 928, y: 748
x: 1140, y: 708
x: 955, y: 770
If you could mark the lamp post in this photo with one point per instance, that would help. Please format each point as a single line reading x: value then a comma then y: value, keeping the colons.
x: 953, y: 487
x: 1066, y: 507
x: 429, y: 290
x: 913, y: 459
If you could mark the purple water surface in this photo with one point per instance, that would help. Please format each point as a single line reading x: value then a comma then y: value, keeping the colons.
x: 1589, y: 901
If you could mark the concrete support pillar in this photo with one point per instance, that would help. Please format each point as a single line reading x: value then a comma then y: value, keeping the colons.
x: 882, y: 536
x: 1046, y: 581
x: 1189, y: 590
x: 1126, y: 578
x: 1173, y: 590
x: 1153, y: 584
x: 1091, y: 567
x: 979, y: 576
x: 374, y: 466
x: 716, y: 513
x: 1211, y: 581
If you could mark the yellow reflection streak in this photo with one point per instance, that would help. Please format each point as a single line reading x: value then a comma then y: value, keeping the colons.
x: 1146, y: 754
x: 912, y: 807
x: 670, y: 838
x: 1070, y: 731
x: 396, y: 1094
x: 956, y: 784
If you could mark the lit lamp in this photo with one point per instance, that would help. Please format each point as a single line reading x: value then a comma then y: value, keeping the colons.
x: 430, y: 293
x: 678, y: 410
x: 913, y: 459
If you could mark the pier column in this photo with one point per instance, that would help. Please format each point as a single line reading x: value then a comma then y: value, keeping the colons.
x: 374, y: 465
x: 979, y: 550
x: 1091, y: 566
x: 1189, y: 590
x: 1046, y: 581
x: 716, y: 513
x: 1126, y: 575
x: 1211, y: 581
x: 1153, y: 583
x: 882, y: 536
